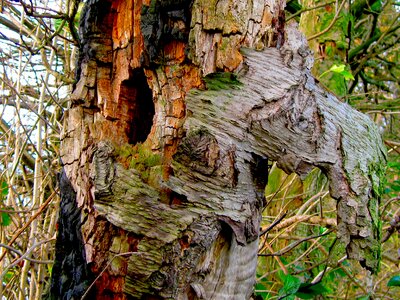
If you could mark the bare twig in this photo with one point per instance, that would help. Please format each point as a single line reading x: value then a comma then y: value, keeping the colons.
x: 335, y: 18
x: 26, y: 258
x: 26, y: 225
x: 305, y: 9
x: 295, y: 244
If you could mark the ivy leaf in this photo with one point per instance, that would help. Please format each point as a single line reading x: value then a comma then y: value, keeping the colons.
x: 394, y: 281
x: 394, y: 165
x: 395, y: 186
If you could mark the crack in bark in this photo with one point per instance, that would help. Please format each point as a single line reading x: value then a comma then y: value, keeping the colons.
x: 197, y: 224
x: 300, y: 129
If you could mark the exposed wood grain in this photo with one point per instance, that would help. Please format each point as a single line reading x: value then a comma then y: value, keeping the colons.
x: 188, y: 199
x: 281, y: 113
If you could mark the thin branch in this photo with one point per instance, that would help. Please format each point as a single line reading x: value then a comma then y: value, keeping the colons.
x: 71, y: 18
x: 295, y: 244
x: 276, y: 222
x: 56, y: 74
x: 380, y: 84
x: 26, y: 158
x: 26, y: 225
x: 307, y: 218
x: 278, y: 260
x: 26, y: 258
x: 330, y: 25
x: 394, y: 226
x: 305, y: 9
x: 392, y: 29
x: 27, y: 104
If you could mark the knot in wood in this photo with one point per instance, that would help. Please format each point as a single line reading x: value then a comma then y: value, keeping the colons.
x: 200, y: 151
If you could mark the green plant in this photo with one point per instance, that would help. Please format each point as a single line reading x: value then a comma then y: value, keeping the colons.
x: 5, y: 216
x: 339, y: 69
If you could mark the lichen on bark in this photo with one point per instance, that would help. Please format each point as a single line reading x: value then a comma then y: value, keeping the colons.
x: 279, y: 112
x: 193, y: 220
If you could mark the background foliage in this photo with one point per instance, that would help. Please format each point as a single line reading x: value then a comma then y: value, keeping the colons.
x: 356, y: 53
x: 37, y: 59
x: 357, y: 58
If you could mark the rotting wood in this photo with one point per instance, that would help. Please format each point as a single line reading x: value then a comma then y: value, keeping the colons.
x: 194, y: 216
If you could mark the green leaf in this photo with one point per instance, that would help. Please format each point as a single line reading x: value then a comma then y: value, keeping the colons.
x: 341, y: 69
x: 281, y: 275
x: 376, y: 6
x: 394, y: 165
x: 4, y: 188
x: 59, y: 23
x: 395, y: 187
x: 5, y: 219
x: 363, y: 298
x: 259, y: 291
x: 291, y: 284
x: 309, y: 290
x: 346, y: 263
x: 337, y: 68
x: 339, y: 272
x: 347, y: 75
x: 8, y: 276
x: 394, y: 281
x: 322, y: 229
x: 341, y: 45
x: 302, y: 295
x: 337, y: 84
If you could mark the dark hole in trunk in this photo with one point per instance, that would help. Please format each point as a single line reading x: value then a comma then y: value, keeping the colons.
x: 137, y: 96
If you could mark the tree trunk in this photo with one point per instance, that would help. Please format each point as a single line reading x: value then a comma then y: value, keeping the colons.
x: 177, y: 108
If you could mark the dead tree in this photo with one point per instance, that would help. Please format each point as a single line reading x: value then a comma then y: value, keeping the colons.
x: 177, y: 107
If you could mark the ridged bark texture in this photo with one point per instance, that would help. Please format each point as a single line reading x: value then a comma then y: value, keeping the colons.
x: 168, y: 165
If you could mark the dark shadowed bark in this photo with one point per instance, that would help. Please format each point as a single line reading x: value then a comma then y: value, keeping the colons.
x: 177, y: 108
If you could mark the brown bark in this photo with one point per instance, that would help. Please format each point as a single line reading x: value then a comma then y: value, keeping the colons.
x: 168, y: 166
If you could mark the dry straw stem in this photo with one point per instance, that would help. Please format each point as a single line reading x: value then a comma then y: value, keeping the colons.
x: 331, y: 222
x: 26, y: 225
x: 295, y: 244
x: 25, y: 256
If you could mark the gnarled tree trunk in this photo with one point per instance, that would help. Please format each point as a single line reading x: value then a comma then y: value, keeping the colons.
x: 177, y: 108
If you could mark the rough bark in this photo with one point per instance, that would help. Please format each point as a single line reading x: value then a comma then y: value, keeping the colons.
x: 168, y: 165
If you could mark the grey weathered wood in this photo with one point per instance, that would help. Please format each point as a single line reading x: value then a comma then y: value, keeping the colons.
x: 194, y: 230
x: 281, y: 113
x: 277, y: 112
